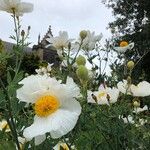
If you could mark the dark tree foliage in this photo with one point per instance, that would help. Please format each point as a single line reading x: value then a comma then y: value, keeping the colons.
x: 132, y: 23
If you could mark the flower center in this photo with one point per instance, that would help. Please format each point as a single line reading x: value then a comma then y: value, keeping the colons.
x: 46, y: 105
x: 123, y: 44
x: 101, y: 94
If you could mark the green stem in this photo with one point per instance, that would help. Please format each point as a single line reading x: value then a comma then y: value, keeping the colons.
x: 11, y: 121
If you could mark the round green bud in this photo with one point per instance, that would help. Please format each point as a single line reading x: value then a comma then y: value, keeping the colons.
x: 130, y: 65
x: 136, y: 104
x: 82, y: 73
x: 80, y: 60
x: 83, y: 34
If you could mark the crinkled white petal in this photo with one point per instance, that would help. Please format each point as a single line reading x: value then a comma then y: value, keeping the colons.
x: 25, y: 7
x: 142, y: 89
x: 113, y: 94
x: 58, y: 123
x: 36, y: 86
x: 123, y: 87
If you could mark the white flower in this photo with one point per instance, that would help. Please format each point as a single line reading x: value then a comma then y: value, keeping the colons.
x: 60, y: 42
x: 138, y: 109
x: 128, y: 119
x: 103, y: 96
x: 123, y: 49
x: 44, y: 70
x: 124, y: 87
x: 55, y: 106
x: 90, y: 41
x: 16, y: 6
x: 61, y: 145
x: 4, y: 126
x: 142, y: 89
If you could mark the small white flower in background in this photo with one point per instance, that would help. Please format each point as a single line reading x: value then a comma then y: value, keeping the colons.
x: 60, y: 42
x: 142, y: 121
x: 139, y: 109
x: 4, y: 126
x: 44, y: 70
x: 56, y: 109
x: 90, y: 41
x: 103, y: 95
x: 61, y: 145
x: 15, y: 6
x: 124, y: 46
x: 128, y: 119
x: 142, y: 89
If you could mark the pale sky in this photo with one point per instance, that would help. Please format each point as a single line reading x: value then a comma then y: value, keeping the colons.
x: 63, y: 15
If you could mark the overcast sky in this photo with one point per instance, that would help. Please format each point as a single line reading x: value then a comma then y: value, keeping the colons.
x: 66, y: 15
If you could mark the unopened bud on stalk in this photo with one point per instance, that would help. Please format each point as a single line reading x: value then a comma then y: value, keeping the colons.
x: 69, y: 45
x: 129, y: 80
x: 80, y: 60
x: 83, y: 34
x: 136, y: 104
x: 29, y: 27
x: 82, y: 73
x: 130, y: 65
x: 22, y: 33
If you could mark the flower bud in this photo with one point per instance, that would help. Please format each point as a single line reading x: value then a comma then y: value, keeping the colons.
x: 80, y: 60
x: 22, y: 33
x: 29, y: 28
x: 83, y: 34
x: 136, y: 104
x: 82, y: 73
x: 130, y: 65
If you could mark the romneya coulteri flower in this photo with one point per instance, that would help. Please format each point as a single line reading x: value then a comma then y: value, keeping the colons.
x: 124, y: 46
x: 15, y: 6
x: 139, y: 109
x: 60, y: 42
x: 103, y: 95
x: 56, y: 109
x: 140, y: 90
x: 44, y: 70
x: 90, y: 41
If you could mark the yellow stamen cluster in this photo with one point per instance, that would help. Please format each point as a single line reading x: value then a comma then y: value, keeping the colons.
x: 101, y: 94
x: 124, y: 44
x: 46, y: 105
